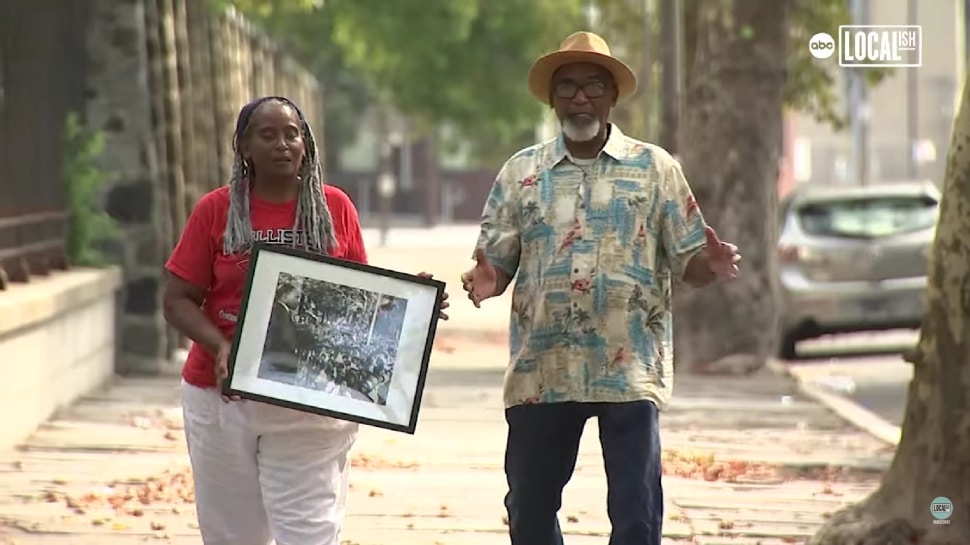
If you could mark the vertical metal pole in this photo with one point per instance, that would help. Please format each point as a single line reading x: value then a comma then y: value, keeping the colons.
x: 859, y: 107
x: 647, y: 78
x: 407, y: 162
x: 384, y: 172
x: 966, y: 28
x: 671, y: 38
x: 592, y: 15
x: 912, y: 102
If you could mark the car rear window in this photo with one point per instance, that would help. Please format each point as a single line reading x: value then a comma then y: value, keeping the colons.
x: 868, y: 217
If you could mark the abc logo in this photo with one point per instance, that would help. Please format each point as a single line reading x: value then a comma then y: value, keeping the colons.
x: 821, y: 46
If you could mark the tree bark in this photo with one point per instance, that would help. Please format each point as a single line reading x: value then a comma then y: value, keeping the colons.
x: 733, y: 135
x: 933, y: 456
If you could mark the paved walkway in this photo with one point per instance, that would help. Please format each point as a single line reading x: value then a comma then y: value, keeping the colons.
x: 748, y: 461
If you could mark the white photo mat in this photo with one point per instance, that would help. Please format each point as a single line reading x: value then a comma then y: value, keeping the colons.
x: 410, y: 365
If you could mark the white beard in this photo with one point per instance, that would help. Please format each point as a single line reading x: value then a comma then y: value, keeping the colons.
x: 580, y: 132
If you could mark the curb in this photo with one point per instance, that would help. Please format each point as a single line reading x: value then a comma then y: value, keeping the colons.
x: 845, y: 408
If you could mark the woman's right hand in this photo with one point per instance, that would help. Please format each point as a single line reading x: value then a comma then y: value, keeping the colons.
x: 222, y: 369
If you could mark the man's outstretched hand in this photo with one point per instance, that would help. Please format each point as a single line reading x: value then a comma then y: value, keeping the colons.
x: 722, y: 257
x: 481, y: 281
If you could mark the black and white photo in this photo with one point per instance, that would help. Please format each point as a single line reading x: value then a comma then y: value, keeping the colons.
x: 336, y: 338
x: 333, y: 338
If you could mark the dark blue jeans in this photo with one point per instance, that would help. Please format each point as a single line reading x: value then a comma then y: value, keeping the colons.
x: 540, y: 456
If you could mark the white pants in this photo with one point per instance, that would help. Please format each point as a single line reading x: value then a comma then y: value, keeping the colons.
x: 263, y: 472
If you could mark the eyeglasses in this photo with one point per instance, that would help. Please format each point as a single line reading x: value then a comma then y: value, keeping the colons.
x: 568, y: 89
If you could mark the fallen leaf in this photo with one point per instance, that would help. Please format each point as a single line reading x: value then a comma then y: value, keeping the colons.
x: 119, y: 526
x: 366, y: 461
x: 155, y: 525
x: 725, y: 525
x: 572, y: 518
x: 374, y: 492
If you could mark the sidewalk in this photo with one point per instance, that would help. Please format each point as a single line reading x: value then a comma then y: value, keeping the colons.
x: 748, y: 461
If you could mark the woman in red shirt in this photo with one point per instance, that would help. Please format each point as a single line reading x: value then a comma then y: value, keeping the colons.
x: 261, y: 472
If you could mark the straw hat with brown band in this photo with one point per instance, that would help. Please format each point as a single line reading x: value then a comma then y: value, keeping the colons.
x: 580, y: 47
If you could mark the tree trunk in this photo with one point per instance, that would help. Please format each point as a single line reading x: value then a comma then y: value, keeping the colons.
x: 933, y: 456
x: 732, y: 131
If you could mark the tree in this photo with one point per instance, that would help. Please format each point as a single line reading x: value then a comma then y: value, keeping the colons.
x: 733, y: 122
x: 457, y: 62
x: 305, y: 28
x: 933, y: 455
x: 810, y: 86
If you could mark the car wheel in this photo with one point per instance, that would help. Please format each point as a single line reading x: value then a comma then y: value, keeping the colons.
x: 786, y: 346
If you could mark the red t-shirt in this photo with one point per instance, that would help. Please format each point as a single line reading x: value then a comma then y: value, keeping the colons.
x: 198, y: 259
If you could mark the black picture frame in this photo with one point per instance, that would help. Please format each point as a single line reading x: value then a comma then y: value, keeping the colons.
x: 319, y: 345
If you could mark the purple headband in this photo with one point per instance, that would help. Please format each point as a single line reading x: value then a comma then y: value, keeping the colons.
x: 247, y: 112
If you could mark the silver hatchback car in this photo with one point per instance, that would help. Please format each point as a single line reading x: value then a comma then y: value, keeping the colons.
x: 854, y: 258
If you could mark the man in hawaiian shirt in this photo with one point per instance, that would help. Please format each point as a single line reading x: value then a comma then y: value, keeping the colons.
x: 594, y: 224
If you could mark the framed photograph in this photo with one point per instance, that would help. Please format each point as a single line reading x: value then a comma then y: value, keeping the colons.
x: 335, y: 338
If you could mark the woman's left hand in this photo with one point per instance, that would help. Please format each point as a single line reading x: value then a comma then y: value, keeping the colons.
x: 444, y: 299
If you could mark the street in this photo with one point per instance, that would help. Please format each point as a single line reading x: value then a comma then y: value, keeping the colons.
x: 866, y: 367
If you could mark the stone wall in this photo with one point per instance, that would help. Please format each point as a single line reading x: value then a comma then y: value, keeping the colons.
x: 59, y: 334
x: 166, y: 80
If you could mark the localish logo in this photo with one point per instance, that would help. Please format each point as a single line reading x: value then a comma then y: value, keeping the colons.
x: 942, y: 509
x: 874, y: 46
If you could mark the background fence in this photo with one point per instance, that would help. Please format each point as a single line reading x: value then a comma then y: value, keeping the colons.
x: 203, y: 68
x: 162, y: 82
x: 42, y: 78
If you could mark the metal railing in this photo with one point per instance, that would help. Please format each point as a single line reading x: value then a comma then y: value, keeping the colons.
x: 44, y: 65
x: 31, y: 245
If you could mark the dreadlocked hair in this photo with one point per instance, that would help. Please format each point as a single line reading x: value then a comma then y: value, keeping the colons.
x: 313, y: 223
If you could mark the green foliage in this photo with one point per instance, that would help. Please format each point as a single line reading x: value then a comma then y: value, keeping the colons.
x: 812, y: 86
x: 88, y: 225
x: 305, y: 29
x: 457, y: 62
x: 461, y: 62
x: 464, y: 62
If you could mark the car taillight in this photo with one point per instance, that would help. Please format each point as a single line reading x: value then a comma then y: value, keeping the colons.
x: 788, y: 253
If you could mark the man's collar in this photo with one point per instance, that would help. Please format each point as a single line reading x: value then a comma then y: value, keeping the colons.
x: 615, y: 147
